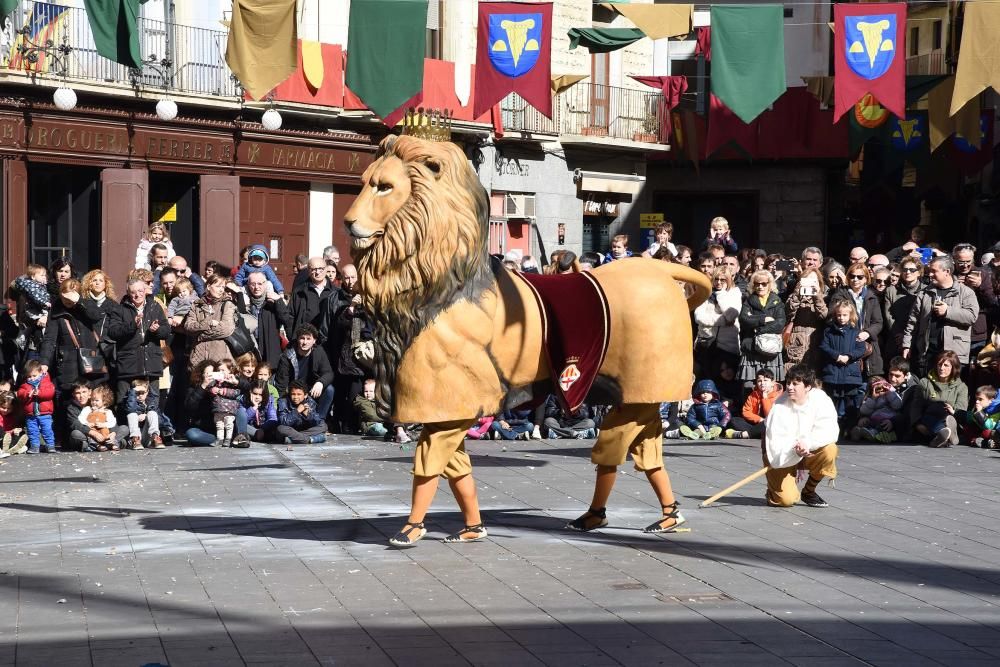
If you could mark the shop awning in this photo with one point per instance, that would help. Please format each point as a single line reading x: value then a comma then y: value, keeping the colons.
x: 602, y: 181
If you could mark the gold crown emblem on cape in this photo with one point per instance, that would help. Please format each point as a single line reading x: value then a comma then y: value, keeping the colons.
x: 429, y: 124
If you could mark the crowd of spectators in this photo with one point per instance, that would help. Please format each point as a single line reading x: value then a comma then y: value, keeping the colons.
x: 905, y: 343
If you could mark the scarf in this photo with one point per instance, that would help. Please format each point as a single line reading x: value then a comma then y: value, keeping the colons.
x: 99, y: 298
x: 256, y: 304
x: 211, y: 300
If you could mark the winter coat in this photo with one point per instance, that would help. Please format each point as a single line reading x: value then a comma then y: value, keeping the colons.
x: 135, y: 407
x: 726, y: 242
x: 753, y: 315
x: 73, y: 423
x: 58, y: 351
x: 710, y: 413
x: 15, y: 419
x: 516, y: 417
x: 310, y: 369
x: 41, y: 404
x: 932, y: 394
x: 247, y: 268
x: 758, y: 404
x: 273, y: 315
x: 838, y: 340
x: 366, y: 412
x: 198, y: 408
x: 138, y: 348
x: 896, y: 309
x: 718, y: 319
x: 963, y: 310
x: 870, y: 320
x: 351, y: 326
x: 207, y: 341
x: 288, y: 414
x: 987, y: 301
x: 264, y: 417
x: 307, y: 304
x: 807, y: 315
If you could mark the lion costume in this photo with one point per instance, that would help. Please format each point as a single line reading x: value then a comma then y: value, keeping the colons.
x: 458, y: 337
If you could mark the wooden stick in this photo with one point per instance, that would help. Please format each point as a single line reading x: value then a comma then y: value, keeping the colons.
x: 729, y: 489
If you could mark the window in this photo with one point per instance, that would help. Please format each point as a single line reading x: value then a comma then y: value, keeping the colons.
x: 938, y: 34
x: 914, y: 40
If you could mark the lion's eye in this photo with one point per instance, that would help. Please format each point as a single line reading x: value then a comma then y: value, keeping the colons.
x: 383, y: 188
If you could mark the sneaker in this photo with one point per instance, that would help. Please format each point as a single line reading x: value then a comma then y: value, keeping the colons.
x: 227, y: 443
x: 49, y: 449
x: 942, y: 438
x: 34, y: 450
x: 157, y: 441
x: 591, y: 433
x: 813, y: 500
x: 673, y: 434
x: 20, y: 446
x: 580, y: 435
x: 885, y: 437
x: 552, y: 435
x: 524, y: 436
x: 713, y: 433
x: 317, y: 439
x: 952, y: 424
x: 4, y: 453
x: 688, y: 432
x: 135, y: 442
x: 218, y: 443
x: 241, y: 441
x: 536, y: 434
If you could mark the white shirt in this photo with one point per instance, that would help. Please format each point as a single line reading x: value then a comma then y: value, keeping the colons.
x: 814, y: 423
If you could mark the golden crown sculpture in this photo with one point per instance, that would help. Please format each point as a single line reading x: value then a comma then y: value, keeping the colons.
x: 429, y: 124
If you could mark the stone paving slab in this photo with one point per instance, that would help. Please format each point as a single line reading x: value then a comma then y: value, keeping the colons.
x: 269, y: 556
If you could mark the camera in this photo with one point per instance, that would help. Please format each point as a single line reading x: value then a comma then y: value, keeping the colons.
x: 808, y: 290
x: 785, y: 265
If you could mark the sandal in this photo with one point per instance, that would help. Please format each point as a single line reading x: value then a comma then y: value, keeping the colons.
x: 403, y: 540
x: 478, y: 533
x: 102, y: 448
x: 658, y: 527
x: 115, y: 447
x: 586, y: 523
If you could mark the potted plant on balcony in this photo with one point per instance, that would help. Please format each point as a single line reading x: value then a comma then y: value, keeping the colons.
x: 650, y: 126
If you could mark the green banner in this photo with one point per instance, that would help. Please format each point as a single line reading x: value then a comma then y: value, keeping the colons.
x: 748, y: 57
x: 113, y: 23
x: 603, y: 40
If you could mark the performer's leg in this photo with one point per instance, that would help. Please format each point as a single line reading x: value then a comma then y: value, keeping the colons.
x: 464, y: 489
x: 781, y: 488
x: 823, y: 463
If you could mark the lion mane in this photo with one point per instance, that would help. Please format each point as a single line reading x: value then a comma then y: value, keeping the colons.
x: 431, y: 255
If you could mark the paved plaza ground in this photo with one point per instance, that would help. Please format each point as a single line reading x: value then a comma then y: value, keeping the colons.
x: 203, y: 556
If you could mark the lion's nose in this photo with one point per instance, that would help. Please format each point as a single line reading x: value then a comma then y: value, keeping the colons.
x: 349, y: 221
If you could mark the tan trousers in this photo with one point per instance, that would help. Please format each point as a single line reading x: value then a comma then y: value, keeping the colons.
x: 782, y: 491
x: 441, y: 450
x: 631, y: 429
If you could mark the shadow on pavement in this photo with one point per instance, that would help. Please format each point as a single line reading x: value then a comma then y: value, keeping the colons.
x: 81, y: 480
x: 272, y: 466
x: 99, y: 511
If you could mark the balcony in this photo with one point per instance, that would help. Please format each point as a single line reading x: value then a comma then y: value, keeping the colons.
x: 593, y: 113
x: 932, y: 62
x: 198, y: 54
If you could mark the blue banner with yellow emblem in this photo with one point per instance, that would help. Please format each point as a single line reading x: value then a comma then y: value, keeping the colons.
x: 869, y: 55
x: 513, y: 54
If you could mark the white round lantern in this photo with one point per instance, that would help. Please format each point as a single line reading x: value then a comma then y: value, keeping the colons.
x: 166, y: 109
x: 271, y: 120
x: 64, y: 98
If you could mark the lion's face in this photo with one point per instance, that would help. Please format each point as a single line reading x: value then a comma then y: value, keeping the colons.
x: 386, y: 189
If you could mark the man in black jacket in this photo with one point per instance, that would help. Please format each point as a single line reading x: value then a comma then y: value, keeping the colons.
x: 308, y: 363
x: 262, y: 302
x: 137, y: 329
x: 307, y: 299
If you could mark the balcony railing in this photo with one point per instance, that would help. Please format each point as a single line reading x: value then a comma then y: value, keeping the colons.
x: 197, y: 54
x: 927, y: 63
x: 595, y: 110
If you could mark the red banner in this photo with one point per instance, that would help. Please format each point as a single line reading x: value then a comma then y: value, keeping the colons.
x: 513, y: 54
x: 869, y: 55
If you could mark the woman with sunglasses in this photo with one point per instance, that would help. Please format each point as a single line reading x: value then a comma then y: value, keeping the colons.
x: 898, y: 302
x: 861, y: 294
x: 761, y: 322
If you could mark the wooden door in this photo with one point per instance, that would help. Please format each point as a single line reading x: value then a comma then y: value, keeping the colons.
x: 600, y: 94
x: 124, y: 216
x: 276, y: 215
x: 15, y: 219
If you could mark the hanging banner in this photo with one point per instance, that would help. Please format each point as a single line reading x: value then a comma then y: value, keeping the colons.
x: 513, y: 54
x: 869, y: 55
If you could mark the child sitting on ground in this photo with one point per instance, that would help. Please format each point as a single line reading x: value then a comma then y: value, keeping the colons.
x: 979, y: 425
x: 670, y: 419
x: 257, y: 262
x: 12, y: 433
x: 367, y: 414
x: 37, y: 396
x: 98, y: 420
x: 225, y: 391
x: 481, y: 429
x: 141, y: 412
x: 841, y: 351
x: 298, y: 419
x: 757, y: 406
x: 513, y: 425
x: 880, y: 407
x: 156, y: 233
x: 707, y: 416
x: 261, y: 412
x: 265, y: 374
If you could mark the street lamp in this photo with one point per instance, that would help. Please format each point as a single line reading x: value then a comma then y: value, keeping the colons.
x: 64, y: 97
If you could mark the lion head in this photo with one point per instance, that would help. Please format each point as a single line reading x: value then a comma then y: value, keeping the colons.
x: 418, y: 233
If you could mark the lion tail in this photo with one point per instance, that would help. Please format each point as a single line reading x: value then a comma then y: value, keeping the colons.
x: 697, y: 286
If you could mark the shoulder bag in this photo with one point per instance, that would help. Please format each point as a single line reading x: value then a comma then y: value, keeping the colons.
x: 90, y: 359
x: 242, y: 340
